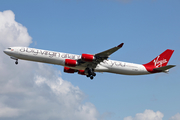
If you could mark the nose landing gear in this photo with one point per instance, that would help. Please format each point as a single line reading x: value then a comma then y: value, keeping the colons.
x: 14, y: 58
x: 16, y: 61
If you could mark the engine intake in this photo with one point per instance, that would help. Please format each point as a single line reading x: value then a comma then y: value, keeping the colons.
x: 70, y: 62
x: 68, y: 70
x: 87, y: 57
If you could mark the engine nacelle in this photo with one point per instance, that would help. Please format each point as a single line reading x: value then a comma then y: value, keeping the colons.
x: 81, y: 72
x: 68, y: 70
x: 87, y: 57
x: 70, y: 62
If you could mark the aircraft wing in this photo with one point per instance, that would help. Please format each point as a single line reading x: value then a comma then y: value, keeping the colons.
x: 107, y: 53
x: 100, y: 57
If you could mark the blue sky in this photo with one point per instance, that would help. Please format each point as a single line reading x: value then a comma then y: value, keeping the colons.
x: 146, y: 28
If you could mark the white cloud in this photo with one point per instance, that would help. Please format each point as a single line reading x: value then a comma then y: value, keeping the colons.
x: 32, y: 90
x: 175, y: 117
x: 147, y: 115
x: 12, y: 33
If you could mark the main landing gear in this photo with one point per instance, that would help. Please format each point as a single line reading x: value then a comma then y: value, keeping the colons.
x: 90, y: 73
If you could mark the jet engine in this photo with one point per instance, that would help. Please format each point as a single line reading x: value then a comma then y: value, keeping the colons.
x: 68, y: 70
x: 81, y: 72
x: 70, y: 62
x: 87, y: 57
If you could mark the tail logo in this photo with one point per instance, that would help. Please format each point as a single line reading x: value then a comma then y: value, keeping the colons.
x: 159, y: 63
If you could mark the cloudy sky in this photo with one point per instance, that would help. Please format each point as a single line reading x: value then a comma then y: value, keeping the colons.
x: 40, y: 91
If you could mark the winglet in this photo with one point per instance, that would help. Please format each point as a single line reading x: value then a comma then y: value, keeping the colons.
x: 120, y: 45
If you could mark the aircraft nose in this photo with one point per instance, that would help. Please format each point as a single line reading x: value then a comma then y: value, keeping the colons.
x: 5, y: 51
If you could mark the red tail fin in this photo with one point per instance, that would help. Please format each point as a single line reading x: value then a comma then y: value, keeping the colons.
x: 161, y: 60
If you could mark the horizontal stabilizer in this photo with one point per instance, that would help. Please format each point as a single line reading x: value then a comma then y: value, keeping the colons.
x: 164, y: 68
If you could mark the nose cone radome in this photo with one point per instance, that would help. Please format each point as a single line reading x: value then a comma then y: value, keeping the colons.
x: 7, y: 51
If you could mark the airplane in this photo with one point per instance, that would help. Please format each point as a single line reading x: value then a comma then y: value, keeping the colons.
x: 88, y: 64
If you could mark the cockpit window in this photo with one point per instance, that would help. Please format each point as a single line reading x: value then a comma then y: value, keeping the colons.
x: 9, y: 48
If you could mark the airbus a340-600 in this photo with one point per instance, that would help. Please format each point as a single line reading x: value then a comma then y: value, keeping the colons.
x: 88, y: 64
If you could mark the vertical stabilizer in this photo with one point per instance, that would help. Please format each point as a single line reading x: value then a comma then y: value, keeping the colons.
x: 162, y: 59
x: 159, y: 61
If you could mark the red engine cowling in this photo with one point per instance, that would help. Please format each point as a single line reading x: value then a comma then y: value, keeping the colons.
x: 81, y: 72
x: 68, y: 70
x: 87, y: 57
x: 70, y: 62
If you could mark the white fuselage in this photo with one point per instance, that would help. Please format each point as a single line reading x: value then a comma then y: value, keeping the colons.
x: 58, y: 58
